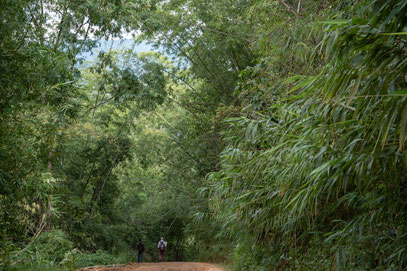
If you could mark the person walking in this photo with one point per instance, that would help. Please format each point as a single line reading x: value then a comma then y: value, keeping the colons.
x: 161, y: 249
x: 140, y: 251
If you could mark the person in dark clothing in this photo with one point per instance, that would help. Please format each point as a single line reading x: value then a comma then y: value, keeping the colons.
x: 140, y: 250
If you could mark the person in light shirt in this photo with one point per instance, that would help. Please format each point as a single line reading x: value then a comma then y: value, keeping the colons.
x: 161, y: 249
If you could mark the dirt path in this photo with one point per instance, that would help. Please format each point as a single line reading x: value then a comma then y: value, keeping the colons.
x: 165, y: 266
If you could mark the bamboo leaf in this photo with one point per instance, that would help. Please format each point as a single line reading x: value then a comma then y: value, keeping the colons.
x: 309, y: 81
x: 403, y: 126
x: 336, y: 22
x: 394, y: 34
x: 355, y: 88
x: 399, y: 92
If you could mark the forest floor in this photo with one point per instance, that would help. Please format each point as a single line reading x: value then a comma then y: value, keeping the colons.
x: 164, y: 266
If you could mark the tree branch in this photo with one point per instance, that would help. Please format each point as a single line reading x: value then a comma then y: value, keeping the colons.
x: 99, y: 104
x: 186, y: 108
x: 57, y: 41
x: 226, y: 33
x: 162, y: 187
x: 299, y: 6
x: 288, y: 7
x: 185, y: 82
x: 176, y: 140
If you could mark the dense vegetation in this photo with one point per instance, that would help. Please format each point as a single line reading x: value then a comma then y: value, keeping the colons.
x: 265, y: 134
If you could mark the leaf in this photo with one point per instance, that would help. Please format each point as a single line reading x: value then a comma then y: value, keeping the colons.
x: 336, y: 22
x: 283, y: 191
x: 393, y: 114
x: 60, y: 84
x: 403, y: 125
x: 394, y: 34
x: 399, y: 92
x: 309, y: 81
x: 355, y: 88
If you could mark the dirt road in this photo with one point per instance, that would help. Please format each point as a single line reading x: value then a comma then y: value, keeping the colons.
x: 165, y: 266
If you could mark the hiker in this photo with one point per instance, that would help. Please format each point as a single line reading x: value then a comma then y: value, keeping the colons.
x: 140, y: 250
x: 161, y: 248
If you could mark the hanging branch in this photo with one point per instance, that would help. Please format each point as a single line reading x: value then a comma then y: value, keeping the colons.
x: 186, y: 108
x: 78, y: 49
x: 185, y: 82
x: 40, y: 229
x: 92, y: 205
x: 99, y: 104
x: 106, y: 177
x: 203, y: 68
x: 227, y: 34
x: 58, y: 39
x: 162, y: 187
x: 176, y: 141
x: 288, y: 7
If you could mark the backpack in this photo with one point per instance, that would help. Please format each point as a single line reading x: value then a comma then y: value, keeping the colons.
x: 140, y: 247
x: 161, y: 246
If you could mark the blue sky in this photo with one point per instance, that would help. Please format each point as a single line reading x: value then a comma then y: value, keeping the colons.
x: 105, y: 45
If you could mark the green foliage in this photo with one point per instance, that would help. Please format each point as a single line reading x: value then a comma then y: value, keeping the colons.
x: 49, y: 246
x: 212, y: 45
x: 98, y: 258
x: 52, y: 245
x: 43, y: 253
x: 39, y: 96
x: 326, y: 160
x: 127, y: 77
x: 50, y: 174
x: 247, y: 258
x: 72, y: 260
x: 298, y: 108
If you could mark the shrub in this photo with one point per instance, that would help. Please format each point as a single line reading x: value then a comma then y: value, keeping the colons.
x: 52, y: 245
x: 77, y: 259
